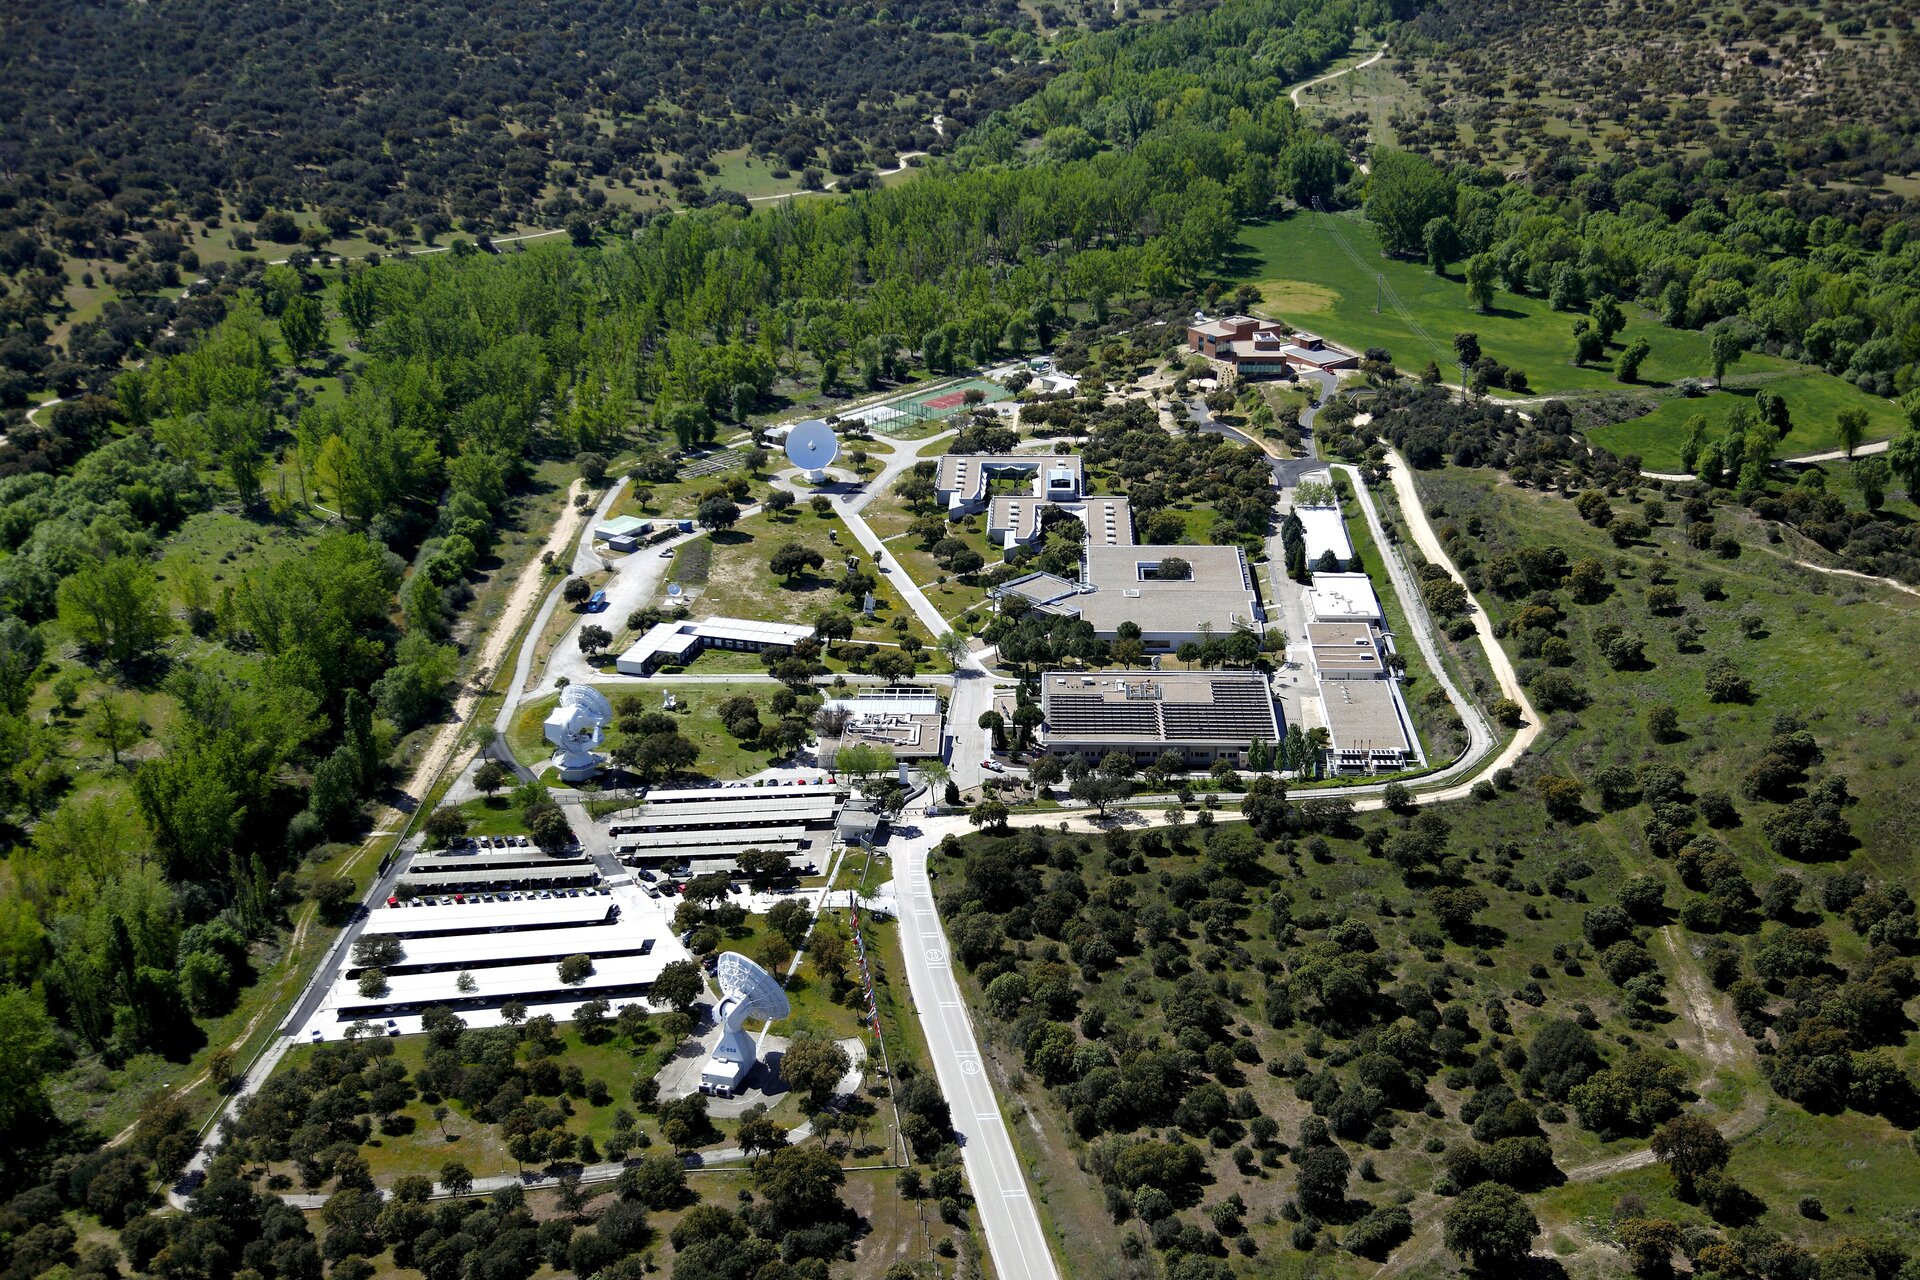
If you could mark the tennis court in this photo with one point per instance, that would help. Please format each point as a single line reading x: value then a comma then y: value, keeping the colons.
x: 929, y: 406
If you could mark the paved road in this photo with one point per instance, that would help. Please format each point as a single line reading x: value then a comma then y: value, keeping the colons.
x: 1015, y: 1237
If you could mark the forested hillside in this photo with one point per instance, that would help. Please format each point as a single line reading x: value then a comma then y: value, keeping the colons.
x: 149, y: 142
x: 1804, y: 100
x: 236, y: 578
x: 234, y: 584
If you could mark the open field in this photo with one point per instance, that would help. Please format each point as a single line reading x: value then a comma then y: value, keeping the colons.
x: 1813, y: 399
x: 1307, y: 280
x: 740, y: 583
x: 722, y: 757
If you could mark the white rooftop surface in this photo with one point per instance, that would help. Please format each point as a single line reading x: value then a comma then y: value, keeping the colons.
x: 679, y: 637
x: 765, y: 837
x: 486, y: 917
x: 574, y: 873
x: 675, y: 795
x: 1341, y: 597
x: 927, y: 705
x: 753, y: 630
x: 478, y: 859
x: 1325, y: 531
x: 642, y: 916
x: 502, y: 983
x: 758, y: 808
x: 535, y: 944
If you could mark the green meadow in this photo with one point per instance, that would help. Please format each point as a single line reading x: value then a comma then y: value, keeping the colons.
x: 1307, y: 278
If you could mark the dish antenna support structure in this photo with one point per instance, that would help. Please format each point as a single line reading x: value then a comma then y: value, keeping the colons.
x: 746, y: 991
x: 812, y: 447
x: 576, y: 726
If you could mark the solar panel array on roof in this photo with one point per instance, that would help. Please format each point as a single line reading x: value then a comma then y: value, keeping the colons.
x: 1152, y: 706
x: 1089, y: 714
x: 1240, y: 709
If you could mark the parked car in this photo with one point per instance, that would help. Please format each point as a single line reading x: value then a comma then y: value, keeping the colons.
x: 993, y: 766
x: 393, y: 1028
x: 317, y: 1037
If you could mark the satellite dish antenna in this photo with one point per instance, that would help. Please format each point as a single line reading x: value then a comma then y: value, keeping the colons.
x: 576, y: 725
x: 746, y: 991
x: 811, y: 446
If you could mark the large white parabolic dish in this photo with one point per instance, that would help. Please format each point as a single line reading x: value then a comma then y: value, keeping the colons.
x: 812, y: 447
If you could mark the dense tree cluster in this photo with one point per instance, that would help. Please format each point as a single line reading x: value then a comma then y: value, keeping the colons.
x: 1658, y: 75
x: 153, y: 130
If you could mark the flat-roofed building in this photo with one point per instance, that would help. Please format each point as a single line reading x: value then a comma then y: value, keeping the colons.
x: 1018, y: 522
x: 962, y: 479
x: 1204, y: 716
x: 426, y: 920
x: 679, y: 643
x: 455, y: 952
x: 1254, y: 348
x: 1360, y: 701
x: 1214, y: 338
x: 907, y: 720
x: 1369, y: 726
x: 708, y: 828
x: 1015, y: 522
x: 431, y: 879
x: 1109, y: 522
x: 1343, y: 597
x: 1346, y: 651
x: 1325, y: 532
x: 1037, y: 589
x: 622, y: 533
x: 1217, y: 597
x: 755, y: 810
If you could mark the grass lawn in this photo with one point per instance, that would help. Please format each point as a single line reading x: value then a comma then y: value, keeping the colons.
x: 1832, y: 666
x: 741, y: 583
x: 678, y: 499
x: 493, y: 816
x: 1813, y: 401
x: 1307, y: 279
x: 721, y: 755
x: 952, y: 596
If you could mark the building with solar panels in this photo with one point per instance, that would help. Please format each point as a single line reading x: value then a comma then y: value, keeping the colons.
x: 1204, y: 716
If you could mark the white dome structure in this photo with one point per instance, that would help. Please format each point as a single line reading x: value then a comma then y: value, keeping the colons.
x: 575, y: 727
x: 746, y: 991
